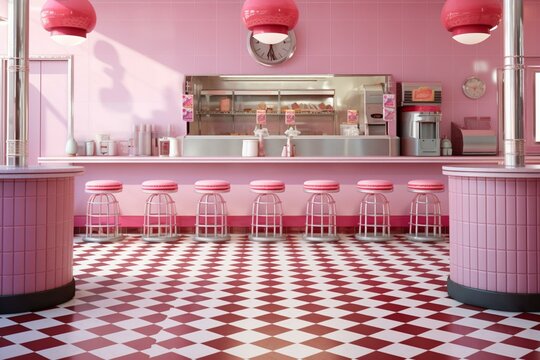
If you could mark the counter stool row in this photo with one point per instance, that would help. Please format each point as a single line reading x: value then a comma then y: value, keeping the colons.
x: 267, y: 212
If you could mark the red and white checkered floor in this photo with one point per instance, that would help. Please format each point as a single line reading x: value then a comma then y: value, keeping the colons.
x: 245, y: 300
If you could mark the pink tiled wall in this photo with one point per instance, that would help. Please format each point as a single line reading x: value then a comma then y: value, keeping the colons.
x: 131, y: 68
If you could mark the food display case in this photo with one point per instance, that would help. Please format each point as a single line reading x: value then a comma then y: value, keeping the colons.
x: 227, y: 106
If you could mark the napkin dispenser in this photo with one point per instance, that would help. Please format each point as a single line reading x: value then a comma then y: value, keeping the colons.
x: 473, y: 141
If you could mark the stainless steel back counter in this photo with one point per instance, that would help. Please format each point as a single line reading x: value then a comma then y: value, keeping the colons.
x: 305, y: 146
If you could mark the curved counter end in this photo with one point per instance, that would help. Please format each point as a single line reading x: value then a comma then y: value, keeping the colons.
x: 494, y: 241
x: 37, y: 237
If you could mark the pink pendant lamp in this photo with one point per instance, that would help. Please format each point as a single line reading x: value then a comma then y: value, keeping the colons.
x: 471, y: 21
x: 270, y: 20
x: 68, y: 20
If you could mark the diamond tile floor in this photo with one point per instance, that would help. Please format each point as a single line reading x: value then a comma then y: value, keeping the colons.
x: 245, y: 300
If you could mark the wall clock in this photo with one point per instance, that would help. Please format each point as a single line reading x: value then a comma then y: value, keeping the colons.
x: 474, y: 88
x: 270, y: 55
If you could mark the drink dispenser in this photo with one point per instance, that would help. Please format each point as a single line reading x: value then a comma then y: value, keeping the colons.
x: 420, y: 119
x: 373, y: 119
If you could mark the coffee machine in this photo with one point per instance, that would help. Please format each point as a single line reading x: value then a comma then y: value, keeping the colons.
x: 373, y: 119
x: 420, y: 117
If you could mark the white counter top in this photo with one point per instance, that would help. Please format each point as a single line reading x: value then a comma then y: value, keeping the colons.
x: 493, y: 171
x: 11, y: 172
x: 279, y: 160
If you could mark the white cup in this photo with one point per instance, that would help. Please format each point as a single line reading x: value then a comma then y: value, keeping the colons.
x: 173, y: 147
x: 90, y: 147
x: 250, y: 148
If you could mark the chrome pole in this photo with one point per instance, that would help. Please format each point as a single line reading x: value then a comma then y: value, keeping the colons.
x: 514, y: 143
x: 17, y: 84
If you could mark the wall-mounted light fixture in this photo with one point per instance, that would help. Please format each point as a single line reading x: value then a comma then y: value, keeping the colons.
x: 270, y: 20
x: 471, y: 21
x: 68, y: 20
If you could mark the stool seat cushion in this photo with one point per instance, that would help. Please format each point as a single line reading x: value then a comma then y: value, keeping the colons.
x: 267, y: 185
x: 160, y: 185
x: 425, y: 185
x: 375, y: 185
x: 104, y: 185
x: 212, y: 185
x: 321, y: 185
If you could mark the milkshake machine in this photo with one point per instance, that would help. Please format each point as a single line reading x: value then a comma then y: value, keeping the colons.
x: 420, y: 115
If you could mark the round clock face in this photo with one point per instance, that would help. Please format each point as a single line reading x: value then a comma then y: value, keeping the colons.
x: 474, y: 88
x: 270, y: 55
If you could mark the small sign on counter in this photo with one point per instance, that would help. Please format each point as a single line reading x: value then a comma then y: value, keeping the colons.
x: 290, y: 117
x: 389, y: 107
x: 187, y: 107
x: 261, y: 117
x: 352, y: 117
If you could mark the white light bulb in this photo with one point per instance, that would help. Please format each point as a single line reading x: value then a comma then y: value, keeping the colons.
x: 270, y: 38
x: 471, y: 38
x: 68, y: 40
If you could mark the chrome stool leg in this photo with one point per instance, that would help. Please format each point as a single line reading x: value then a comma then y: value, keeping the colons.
x: 425, y: 212
x: 211, y: 218
x: 160, y: 219
x: 102, y: 223
x: 374, y: 218
x: 321, y: 218
x: 266, y: 218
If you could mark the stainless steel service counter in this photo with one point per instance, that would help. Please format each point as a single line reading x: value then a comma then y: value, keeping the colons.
x: 305, y: 146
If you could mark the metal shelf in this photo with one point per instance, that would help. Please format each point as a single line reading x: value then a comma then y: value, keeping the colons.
x: 307, y: 92
x: 255, y: 92
x: 216, y: 92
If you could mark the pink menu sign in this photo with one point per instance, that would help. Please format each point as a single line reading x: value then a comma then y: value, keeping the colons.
x: 290, y: 117
x: 389, y: 107
x: 261, y: 117
x: 187, y: 107
x: 352, y: 117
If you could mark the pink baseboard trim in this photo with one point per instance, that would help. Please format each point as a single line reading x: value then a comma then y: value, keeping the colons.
x: 245, y: 221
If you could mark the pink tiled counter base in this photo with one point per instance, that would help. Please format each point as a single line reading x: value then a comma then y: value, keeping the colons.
x: 494, y: 233
x: 36, y: 243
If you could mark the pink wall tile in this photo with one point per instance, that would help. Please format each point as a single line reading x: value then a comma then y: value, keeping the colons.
x: 317, y: 63
x: 18, y: 283
x: 367, y: 42
x: 391, y: 41
x: 343, y: 38
x: 343, y: 64
x: 319, y: 42
x: 19, y: 264
x: 319, y: 11
x: 30, y: 243
x: 343, y: 11
x: 29, y: 283
x: 364, y: 10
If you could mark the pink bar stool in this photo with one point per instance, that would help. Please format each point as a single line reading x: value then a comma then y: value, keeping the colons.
x: 321, y: 210
x: 266, y: 211
x: 159, y: 211
x: 425, y: 212
x: 102, y: 211
x: 374, y: 224
x: 211, y: 217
